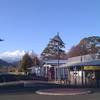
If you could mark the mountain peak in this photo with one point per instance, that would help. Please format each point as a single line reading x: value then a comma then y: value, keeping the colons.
x: 12, y: 56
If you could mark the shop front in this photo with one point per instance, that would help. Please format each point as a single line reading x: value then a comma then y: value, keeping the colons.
x: 85, y: 75
x: 92, y: 75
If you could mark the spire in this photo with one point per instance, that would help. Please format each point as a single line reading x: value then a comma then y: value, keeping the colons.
x: 57, y: 33
x: 58, y: 39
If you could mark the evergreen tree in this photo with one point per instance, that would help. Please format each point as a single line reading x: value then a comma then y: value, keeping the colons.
x: 26, y: 62
x: 54, y: 49
x: 36, y: 61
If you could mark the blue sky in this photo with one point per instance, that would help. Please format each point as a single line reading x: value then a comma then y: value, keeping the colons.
x: 30, y: 24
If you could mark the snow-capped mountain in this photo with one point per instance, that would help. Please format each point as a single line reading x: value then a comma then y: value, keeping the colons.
x: 12, y: 56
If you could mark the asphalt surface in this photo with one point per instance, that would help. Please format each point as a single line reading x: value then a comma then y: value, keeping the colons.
x: 19, y: 92
x: 32, y: 96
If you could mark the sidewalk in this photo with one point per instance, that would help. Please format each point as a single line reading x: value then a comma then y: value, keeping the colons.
x: 11, y: 83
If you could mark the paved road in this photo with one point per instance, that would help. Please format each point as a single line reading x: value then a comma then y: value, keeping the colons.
x: 32, y: 96
x: 21, y: 93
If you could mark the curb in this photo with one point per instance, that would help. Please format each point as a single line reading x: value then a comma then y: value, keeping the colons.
x: 41, y: 92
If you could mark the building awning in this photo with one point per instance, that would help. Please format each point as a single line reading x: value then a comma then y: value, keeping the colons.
x: 79, y: 64
x: 91, y: 67
x: 89, y: 63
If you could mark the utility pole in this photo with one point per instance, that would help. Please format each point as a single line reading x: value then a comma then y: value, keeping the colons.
x: 59, y: 44
x: 58, y: 64
x: 82, y: 54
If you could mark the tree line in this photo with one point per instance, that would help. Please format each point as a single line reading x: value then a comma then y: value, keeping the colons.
x: 89, y: 45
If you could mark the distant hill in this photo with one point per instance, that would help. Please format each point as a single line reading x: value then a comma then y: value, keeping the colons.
x: 4, y: 63
x: 16, y: 63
